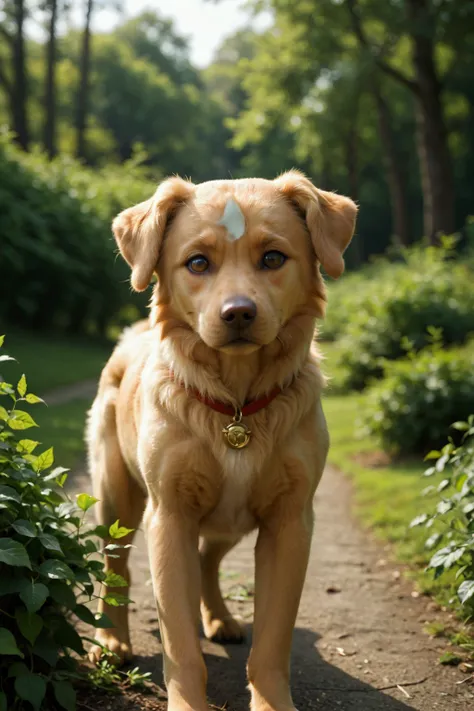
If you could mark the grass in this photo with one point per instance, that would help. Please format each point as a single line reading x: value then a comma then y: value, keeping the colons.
x: 53, y: 361
x: 62, y: 427
x: 388, y: 494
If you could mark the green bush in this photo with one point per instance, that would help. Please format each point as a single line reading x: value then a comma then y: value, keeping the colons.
x: 48, y: 566
x: 57, y: 242
x: 412, y: 408
x: 393, y: 308
x: 453, y: 507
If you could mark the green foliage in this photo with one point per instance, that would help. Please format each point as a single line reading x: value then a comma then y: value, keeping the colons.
x: 48, y: 564
x: 107, y: 677
x: 412, y: 408
x: 450, y: 520
x: 56, y: 239
x: 383, y: 312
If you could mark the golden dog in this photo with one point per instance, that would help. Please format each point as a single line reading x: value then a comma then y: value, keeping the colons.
x: 208, y: 421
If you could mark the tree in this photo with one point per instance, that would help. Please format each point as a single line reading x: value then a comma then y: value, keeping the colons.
x: 393, y: 167
x: 83, y: 90
x: 49, y: 130
x: 394, y: 171
x: 422, y: 18
x: 14, y: 78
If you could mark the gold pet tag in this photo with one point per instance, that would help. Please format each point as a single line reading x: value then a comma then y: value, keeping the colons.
x: 237, y: 434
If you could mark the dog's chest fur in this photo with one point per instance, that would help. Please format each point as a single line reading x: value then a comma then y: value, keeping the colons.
x: 232, y: 516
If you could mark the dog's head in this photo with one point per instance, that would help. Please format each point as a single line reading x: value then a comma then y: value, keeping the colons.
x: 237, y: 259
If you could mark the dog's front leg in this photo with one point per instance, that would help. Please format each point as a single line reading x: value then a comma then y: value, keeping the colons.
x: 174, y: 560
x: 281, y: 554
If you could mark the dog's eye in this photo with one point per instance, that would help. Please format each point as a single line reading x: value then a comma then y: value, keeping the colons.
x: 273, y: 260
x: 198, y: 264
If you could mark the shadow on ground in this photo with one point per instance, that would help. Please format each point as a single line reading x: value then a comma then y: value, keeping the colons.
x: 316, y: 684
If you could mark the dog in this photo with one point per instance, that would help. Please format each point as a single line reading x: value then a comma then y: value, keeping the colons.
x: 208, y: 421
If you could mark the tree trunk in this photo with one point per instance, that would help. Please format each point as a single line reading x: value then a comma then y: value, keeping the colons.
x: 394, y: 171
x: 433, y: 147
x: 352, y: 168
x: 49, y: 133
x: 19, y: 86
x: 83, y: 93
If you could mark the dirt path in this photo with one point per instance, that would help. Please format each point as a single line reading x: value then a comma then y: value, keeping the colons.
x: 84, y: 389
x: 373, y: 620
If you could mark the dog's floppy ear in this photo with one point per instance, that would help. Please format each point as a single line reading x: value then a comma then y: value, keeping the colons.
x: 139, y: 230
x: 330, y: 218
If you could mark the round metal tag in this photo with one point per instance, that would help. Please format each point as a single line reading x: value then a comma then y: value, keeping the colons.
x: 237, y: 435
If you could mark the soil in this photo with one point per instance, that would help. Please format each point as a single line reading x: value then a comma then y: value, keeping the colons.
x: 359, y: 643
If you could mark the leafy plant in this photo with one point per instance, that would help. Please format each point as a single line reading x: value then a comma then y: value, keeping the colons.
x: 450, y: 521
x: 412, y: 408
x: 56, y: 238
x: 48, y: 565
x: 106, y: 676
x: 392, y: 306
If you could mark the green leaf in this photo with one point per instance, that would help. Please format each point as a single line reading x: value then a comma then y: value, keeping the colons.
x: 24, y: 528
x: 10, y: 585
x: 13, y: 553
x: 21, y: 386
x: 113, y: 580
x: 62, y: 594
x: 7, y: 493
x: 466, y: 591
x: 85, y: 614
x: 20, y: 420
x: 418, y: 520
x: 6, y: 389
x: 2, y: 339
x: 450, y: 659
x: 33, y: 399
x: 8, y: 643
x: 17, y: 669
x: 443, y: 485
x: 116, y: 600
x: 50, y: 542
x: 4, y: 414
x: 31, y: 687
x: 84, y: 501
x: 66, y: 636
x: 45, y: 648
x: 101, y: 531
x: 65, y: 695
x: 434, y: 454
x: 44, y: 460
x: 461, y: 426
x: 57, y: 473
x: 26, y: 446
x: 446, y: 557
x: 33, y: 594
x: 116, y: 531
x: 103, y: 621
x: 56, y: 570
x: 30, y: 624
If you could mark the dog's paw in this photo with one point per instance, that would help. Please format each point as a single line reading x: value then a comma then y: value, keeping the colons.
x: 226, y: 631
x: 121, y: 651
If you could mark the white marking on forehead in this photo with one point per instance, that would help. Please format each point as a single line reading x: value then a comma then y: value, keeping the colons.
x: 233, y: 220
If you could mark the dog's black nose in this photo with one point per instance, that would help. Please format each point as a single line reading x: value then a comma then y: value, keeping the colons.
x: 239, y: 311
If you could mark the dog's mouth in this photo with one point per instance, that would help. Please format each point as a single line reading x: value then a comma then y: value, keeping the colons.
x: 239, y: 341
x: 240, y: 345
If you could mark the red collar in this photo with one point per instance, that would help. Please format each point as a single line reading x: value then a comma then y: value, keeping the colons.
x: 250, y: 408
